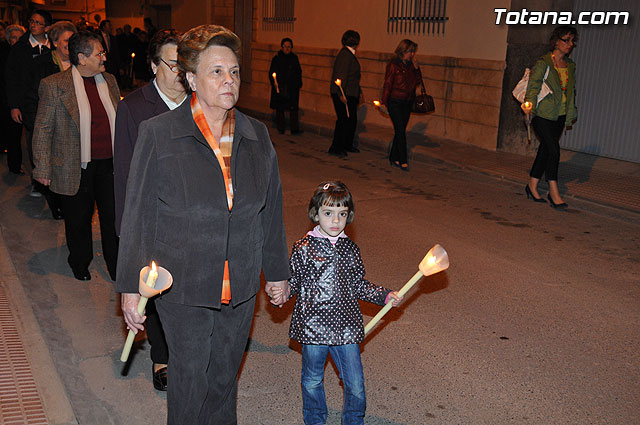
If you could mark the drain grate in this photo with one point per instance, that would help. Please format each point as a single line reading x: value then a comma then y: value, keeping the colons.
x: 20, y: 402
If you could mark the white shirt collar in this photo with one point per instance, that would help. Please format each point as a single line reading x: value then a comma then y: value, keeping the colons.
x: 36, y: 43
x: 351, y: 49
x: 170, y: 103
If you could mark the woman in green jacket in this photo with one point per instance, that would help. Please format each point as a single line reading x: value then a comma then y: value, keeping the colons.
x: 554, y: 112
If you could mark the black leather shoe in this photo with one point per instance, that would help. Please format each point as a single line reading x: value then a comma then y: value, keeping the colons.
x: 81, y: 274
x: 57, y: 214
x: 160, y: 379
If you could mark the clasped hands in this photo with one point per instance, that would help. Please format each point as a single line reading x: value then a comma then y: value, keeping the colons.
x: 278, y: 292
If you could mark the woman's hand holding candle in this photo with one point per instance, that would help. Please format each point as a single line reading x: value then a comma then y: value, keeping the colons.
x: 526, y: 107
x: 134, y: 318
x: 343, y: 98
x: 275, y: 81
x: 129, y: 304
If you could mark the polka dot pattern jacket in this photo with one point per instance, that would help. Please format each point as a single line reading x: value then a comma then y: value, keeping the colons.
x: 329, y: 280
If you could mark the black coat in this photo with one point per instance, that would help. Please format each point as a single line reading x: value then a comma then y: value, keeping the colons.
x: 289, y: 76
x: 112, y: 63
x: 5, y: 48
x: 42, y: 67
x: 176, y: 211
x: 346, y: 68
x: 140, y: 105
x: 18, y: 68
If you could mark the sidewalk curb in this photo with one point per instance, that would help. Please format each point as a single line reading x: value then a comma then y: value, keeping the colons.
x: 423, y: 154
x: 50, y: 388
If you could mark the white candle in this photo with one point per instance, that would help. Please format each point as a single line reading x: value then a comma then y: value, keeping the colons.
x: 339, y: 84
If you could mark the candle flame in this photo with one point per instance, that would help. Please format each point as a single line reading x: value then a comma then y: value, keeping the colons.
x: 273, y: 75
x: 338, y: 82
x: 133, y: 55
x: 377, y: 103
x: 431, y: 260
x: 153, y: 266
x: 527, y: 104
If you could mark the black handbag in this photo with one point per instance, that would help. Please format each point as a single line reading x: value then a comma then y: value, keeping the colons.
x: 423, y: 104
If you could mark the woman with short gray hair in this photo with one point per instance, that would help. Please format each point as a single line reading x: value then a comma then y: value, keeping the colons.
x: 204, y: 200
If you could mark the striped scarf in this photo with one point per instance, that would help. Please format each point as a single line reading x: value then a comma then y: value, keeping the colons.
x: 222, y: 151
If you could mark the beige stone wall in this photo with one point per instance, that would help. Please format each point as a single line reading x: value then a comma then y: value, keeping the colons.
x: 466, y: 91
x: 223, y: 13
x: 470, y: 32
x: 462, y: 68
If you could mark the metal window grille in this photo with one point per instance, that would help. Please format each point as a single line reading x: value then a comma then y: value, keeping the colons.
x: 278, y: 15
x: 417, y: 16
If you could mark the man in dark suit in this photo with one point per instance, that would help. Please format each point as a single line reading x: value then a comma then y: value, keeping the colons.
x: 110, y: 44
x: 166, y: 92
x: 346, y: 68
x: 73, y: 145
x: 33, y: 43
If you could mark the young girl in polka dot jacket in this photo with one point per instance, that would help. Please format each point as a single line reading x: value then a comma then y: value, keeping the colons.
x: 327, y: 275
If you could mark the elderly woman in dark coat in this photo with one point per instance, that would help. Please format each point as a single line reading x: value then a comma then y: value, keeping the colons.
x: 204, y: 200
x: 289, y: 81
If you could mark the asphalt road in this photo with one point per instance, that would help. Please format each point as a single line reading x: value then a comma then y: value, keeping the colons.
x: 537, y: 320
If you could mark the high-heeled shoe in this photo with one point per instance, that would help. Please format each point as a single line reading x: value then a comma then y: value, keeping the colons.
x: 561, y: 206
x: 530, y: 195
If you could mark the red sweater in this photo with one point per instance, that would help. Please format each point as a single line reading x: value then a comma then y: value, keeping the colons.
x: 100, y: 128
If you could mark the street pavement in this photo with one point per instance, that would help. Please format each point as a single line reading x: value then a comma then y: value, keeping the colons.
x: 536, y: 321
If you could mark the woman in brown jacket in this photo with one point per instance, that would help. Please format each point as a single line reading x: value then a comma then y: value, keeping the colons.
x: 399, y: 90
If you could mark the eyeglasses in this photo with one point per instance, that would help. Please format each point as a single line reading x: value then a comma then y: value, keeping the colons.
x: 34, y: 22
x: 102, y: 53
x: 568, y: 40
x: 174, y: 68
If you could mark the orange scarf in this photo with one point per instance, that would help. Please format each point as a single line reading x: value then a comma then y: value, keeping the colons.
x: 223, y: 154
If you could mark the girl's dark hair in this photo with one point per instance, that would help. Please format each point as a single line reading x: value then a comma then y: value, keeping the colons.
x: 284, y: 40
x: 331, y: 194
x: 350, y: 38
x: 560, y: 32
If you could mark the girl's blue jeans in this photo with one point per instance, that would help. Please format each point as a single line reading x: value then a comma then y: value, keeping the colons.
x: 347, y: 359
